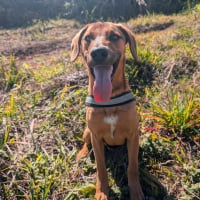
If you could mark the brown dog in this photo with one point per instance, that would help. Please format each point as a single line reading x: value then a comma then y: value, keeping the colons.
x: 111, y: 109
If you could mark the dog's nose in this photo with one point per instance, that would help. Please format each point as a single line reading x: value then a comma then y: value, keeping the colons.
x: 99, y: 53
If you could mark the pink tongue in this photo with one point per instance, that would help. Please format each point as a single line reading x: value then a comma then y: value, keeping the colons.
x: 102, y: 88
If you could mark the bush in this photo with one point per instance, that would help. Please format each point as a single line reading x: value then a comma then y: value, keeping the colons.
x: 92, y: 10
x: 22, y: 12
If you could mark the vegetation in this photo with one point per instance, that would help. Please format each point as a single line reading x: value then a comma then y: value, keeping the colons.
x: 89, y: 11
x: 42, y: 113
x: 23, y: 12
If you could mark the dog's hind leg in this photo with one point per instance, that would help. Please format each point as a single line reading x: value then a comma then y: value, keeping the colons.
x: 87, y: 140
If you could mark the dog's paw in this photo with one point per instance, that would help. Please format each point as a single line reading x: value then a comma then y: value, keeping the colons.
x: 101, y: 196
x: 82, y: 153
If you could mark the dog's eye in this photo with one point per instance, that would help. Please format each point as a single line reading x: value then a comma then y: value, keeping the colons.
x: 114, y: 37
x: 88, y: 38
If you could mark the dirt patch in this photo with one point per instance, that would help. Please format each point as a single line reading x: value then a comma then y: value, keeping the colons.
x: 73, y: 80
x: 41, y: 38
x: 37, y: 48
x: 24, y: 47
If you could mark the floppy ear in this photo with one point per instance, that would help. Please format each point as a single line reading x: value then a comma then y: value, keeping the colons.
x: 76, y: 42
x: 130, y: 39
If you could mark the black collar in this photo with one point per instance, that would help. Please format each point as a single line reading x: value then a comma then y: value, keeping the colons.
x: 118, y: 100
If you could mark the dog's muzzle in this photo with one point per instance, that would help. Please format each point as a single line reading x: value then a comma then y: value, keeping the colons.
x: 103, y: 64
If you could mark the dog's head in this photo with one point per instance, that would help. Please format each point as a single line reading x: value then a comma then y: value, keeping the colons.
x: 102, y: 46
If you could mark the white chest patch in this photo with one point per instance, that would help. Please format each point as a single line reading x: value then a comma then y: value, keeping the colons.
x: 112, y: 120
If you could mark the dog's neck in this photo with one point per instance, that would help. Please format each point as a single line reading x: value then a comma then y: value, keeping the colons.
x: 119, y: 82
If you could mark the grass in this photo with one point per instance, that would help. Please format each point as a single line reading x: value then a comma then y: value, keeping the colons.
x: 42, y: 115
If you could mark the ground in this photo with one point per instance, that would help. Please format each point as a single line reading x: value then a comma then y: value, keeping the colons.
x: 42, y: 112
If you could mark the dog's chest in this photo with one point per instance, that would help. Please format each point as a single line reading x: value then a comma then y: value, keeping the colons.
x: 114, y: 125
x: 112, y: 121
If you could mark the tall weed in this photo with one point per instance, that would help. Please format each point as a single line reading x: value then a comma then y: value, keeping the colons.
x: 174, y: 112
x: 10, y: 75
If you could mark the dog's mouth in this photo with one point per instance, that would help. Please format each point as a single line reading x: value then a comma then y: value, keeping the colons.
x: 102, y: 89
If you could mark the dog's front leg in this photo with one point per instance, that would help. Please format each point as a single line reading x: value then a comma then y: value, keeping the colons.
x: 133, y: 177
x: 102, y: 177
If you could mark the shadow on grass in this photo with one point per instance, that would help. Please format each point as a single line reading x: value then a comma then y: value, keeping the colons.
x: 140, y: 75
x: 117, y: 163
x: 148, y: 27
